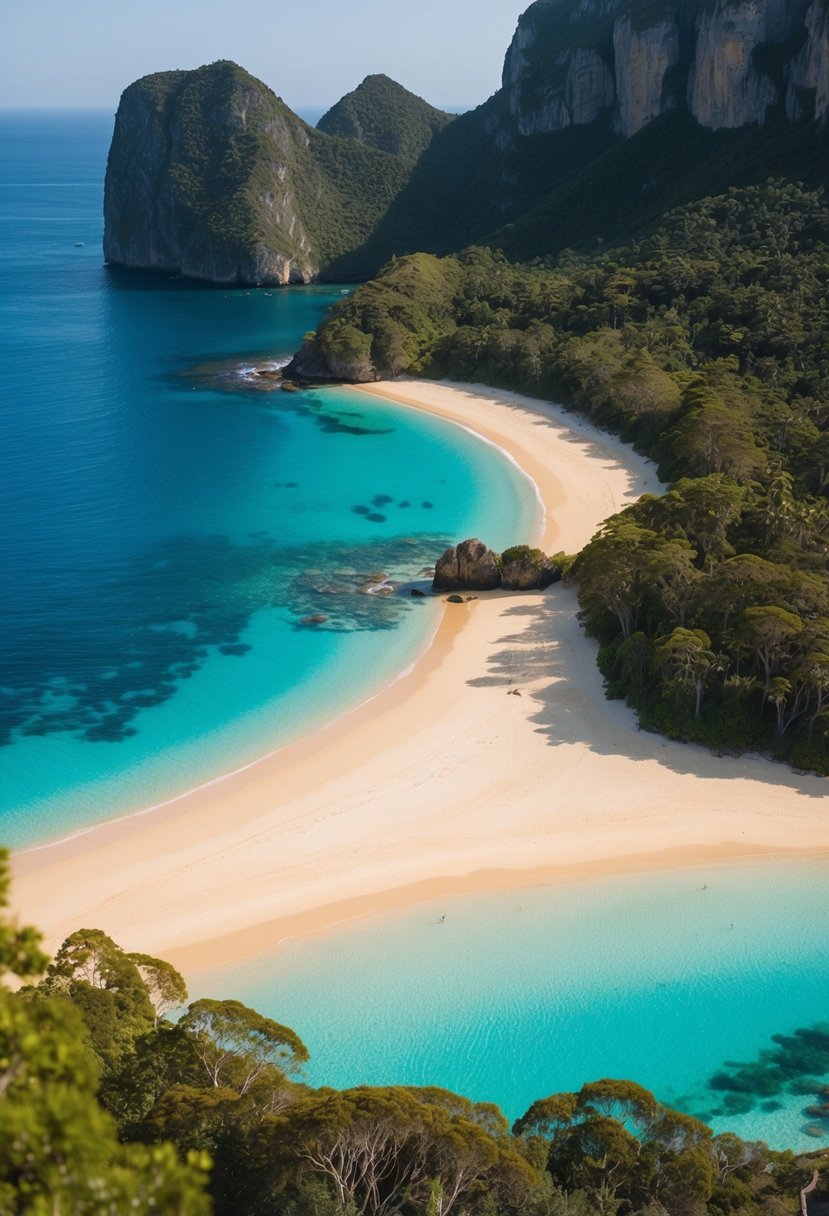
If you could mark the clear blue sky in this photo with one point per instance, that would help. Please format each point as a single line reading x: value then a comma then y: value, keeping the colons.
x: 85, y: 52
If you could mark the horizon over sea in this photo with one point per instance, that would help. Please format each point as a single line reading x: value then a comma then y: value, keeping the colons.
x: 173, y: 527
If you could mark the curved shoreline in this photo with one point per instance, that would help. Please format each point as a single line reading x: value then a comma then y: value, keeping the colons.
x: 438, y: 778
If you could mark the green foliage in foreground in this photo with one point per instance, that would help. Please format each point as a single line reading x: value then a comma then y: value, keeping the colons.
x: 106, y: 1107
x: 216, y: 1088
x: 60, y: 1154
x: 707, y: 346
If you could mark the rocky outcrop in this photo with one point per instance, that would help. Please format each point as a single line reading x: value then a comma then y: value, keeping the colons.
x: 185, y: 189
x: 807, y: 94
x: 642, y: 58
x: 469, y: 566
x: 526, y: 569
x: 211, y: 176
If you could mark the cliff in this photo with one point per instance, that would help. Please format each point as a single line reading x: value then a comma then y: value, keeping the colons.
x: 610, y: 112
x: 728, y: 62
x: 211, y: 176
x: 202, y: 180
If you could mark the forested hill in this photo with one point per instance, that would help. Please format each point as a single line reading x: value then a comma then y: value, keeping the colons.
x: 707, y: 345
x: 384, y: 115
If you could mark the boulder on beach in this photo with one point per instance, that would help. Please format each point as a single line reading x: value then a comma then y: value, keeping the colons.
x: 469, y: 566
x: 527, y: 569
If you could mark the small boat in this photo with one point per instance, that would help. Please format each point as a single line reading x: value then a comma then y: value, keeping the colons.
x: 79, y: 244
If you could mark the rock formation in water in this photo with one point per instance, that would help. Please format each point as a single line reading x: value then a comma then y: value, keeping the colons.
x: 211, y: 176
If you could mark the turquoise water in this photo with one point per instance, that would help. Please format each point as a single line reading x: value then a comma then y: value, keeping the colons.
x: 516, y: 995
x: 169, y: 525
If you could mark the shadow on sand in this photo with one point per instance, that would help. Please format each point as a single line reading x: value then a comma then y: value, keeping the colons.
x: 550, y: 652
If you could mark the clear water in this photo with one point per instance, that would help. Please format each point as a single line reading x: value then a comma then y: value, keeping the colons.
x: 150, y: 536
x: 516, y: 995
x: 168, y: 525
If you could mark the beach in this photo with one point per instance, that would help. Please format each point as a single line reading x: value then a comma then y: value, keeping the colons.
x: 444, y: 782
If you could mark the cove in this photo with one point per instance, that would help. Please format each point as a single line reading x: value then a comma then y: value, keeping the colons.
x: 174, y: 524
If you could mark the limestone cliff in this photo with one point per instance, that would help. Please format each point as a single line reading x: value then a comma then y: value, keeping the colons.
x: 729, y: 62
x: 202, y: 180
x: 807, y: 94
x: 642, y: 58
x: 211, y: 176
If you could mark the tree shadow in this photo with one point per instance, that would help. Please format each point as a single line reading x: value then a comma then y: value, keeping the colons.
x: 550, y: 653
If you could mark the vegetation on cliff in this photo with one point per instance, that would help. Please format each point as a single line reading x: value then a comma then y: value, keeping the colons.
x: 384, y: 115
x: 210, y: 174
x: 707, y: 345
x: 107, y: 1106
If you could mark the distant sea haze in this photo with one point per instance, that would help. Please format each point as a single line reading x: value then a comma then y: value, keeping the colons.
x: 174, y: 524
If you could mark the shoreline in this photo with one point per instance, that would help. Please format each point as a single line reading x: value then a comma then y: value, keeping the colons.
x: 557, y: 780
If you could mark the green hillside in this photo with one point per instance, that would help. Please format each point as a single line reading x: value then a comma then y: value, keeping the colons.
x: 706, y: 344
x: 384, y: 115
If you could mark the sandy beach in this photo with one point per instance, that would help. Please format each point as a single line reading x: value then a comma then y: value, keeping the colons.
x: 443, y: 782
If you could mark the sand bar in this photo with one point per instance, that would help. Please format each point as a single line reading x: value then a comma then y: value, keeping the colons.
x: 443, y: 783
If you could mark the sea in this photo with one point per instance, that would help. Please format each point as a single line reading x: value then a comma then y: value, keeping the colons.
x: 196, y: 569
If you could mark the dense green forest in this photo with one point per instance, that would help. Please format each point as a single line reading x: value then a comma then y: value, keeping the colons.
x: 109, y: 1107
x: 706, y: 345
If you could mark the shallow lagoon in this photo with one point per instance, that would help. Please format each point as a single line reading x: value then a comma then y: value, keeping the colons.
x: 516, y: 995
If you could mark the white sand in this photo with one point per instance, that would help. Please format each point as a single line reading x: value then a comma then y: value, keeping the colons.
x: 443, y: 782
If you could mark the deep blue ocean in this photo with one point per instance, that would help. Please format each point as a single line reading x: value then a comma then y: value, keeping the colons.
x: 168, y: 525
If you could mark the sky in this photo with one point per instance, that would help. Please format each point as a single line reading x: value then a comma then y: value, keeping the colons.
x: 310, y: 52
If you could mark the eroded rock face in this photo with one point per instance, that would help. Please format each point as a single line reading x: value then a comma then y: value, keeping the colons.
x: 642, y: 57
x: 469, y: 566
x: 571, y: 61
x: 184, y: 192
x: 807, y: 93
x: 725, y: 87
x: 526, y: 569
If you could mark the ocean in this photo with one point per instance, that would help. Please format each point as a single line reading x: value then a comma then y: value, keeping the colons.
x: 167, y: 528
x: 170, y: 525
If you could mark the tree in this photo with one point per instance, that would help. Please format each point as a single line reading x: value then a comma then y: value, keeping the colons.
x: 102, y: 982
x: 59, y: 1154
x: 385, y: 1148
x: 771, y: 632
x: 236, y: 1044
x: 165, y: 986
x: 687, y: 655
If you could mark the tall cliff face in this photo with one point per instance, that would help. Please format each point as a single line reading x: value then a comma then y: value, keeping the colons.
x: 211, y: 176
x: 807, y: 94
x: 575, y: 62
x: 201, y: 180
x: 642, y: 59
